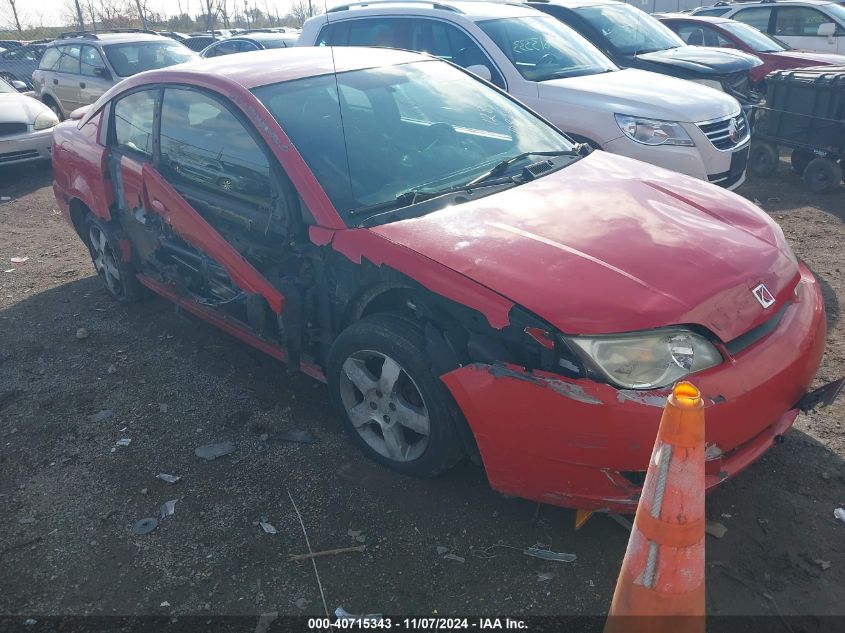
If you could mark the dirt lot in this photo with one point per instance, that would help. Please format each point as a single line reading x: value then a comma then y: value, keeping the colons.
x: 69, y: 497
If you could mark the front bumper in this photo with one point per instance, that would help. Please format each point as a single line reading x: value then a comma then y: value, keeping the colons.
x: 582, y: 444
x: 26, y: 147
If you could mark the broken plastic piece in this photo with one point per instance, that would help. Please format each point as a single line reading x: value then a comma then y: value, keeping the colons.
x: 267, y: 527
x: 18, y: 260
x: 357, y: 535
x: 145, y: 526
x: 543, y: 576
x: 455, y: 557
x: 839, y: 513
x: 714, y: 528
x: 343, y: 614
x: 102, y: 416
x: 213, y: 451
x: 441, y: 549
x: 123, y: 441
x: 164, y: 604
x: 171, y: 479
x: 168, y: 508
x: 303, y: 437
x: 547, y: 554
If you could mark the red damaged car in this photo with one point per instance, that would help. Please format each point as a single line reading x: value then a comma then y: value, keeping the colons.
x: 465, y: 278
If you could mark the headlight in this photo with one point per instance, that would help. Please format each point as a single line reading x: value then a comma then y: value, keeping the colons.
x: 653, y: 131
x: 647, y: 360
x: 710, y: 83
x: 45, y: 120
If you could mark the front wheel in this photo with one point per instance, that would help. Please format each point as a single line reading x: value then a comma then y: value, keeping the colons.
x: 763, y: 159
x: 117, y: 276
x: 392, y: 404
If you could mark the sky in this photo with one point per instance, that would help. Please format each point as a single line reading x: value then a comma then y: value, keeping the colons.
x: 53, y: 12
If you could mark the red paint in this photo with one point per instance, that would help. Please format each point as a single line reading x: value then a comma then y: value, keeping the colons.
x: 775, y: 60
x: 537, y: 443
x: 605, y: 245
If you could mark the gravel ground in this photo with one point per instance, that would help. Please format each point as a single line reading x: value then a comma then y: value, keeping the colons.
x: 170, y: 383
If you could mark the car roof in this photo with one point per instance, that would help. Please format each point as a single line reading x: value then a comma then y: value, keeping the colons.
x: 737, y: 5
x: 710, y: 19
x: 577, y: 4
x: 258, y: 37
x: 282, y: 64
x: 110, y: 38
x: 468, y: 8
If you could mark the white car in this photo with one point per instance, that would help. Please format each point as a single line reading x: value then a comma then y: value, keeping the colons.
x: 26, y: 127
x: 669, y: 122
x: 808, y: 25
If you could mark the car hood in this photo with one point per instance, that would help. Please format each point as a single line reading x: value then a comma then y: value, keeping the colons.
x: 610, y: 244
x: 703, y: 60
x: 812, y: 58
x: 18, y: 108
x: 633, y: 92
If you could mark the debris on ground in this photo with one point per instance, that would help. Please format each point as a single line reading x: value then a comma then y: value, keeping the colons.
x: 714, y: 528
x: 543, y: 576
x: 625, y: 523
x: 26, y: 520
x: 171, y: 479
x: 123, y: 441
x: 441, y: 549
x: 145, y: 526
x: 164, y: 604
x: 213, y: 451
x: 839, y: 513
x: 311, y: 552
x: 343, y: 614
x: 168, y: 508
x: 455, y: 557
x: 82, y: 333
x: 163, y: 408
x: 357, y: 535
x: 144, y: 491
x: 9, y: 270
x: 265, y: 620
x: 111, y: 369
x: 301, y: 603
x: 102, y: 416
x: 19, y: 260
x: 303, y: 437
x: 267, y: 527
x: 824, y: 564
x: 6, y: 199
x: 547, y: 554
x: 298, y: 558
x: 28, y: 621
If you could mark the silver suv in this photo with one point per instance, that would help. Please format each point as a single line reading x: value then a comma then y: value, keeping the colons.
x: 78, y: 67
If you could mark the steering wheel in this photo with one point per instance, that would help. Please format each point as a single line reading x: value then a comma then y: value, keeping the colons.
x: 547, y: 60
x: 441, y: 134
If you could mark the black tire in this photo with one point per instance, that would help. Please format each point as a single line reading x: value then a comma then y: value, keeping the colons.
x: 822, y: 175
x: 800, y: 159
x: 50, y: 103
x: 123, y: 286
x: 763, y: 159
x: 400, y: 339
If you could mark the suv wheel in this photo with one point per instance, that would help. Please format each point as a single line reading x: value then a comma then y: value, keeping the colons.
x: 392, y: 404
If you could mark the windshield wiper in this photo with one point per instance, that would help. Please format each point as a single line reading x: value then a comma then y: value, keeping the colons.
x: 415, y: 196
x: 500, y: 168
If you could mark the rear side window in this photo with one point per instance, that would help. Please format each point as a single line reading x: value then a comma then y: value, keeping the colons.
x: 49, y: 59
x: 68, y: 59
x: 90, y: 61
x: 129, y: 59
x: 758, y: 17
x: 205, y: 147
x: 700, y: 35
x: 133, y: 122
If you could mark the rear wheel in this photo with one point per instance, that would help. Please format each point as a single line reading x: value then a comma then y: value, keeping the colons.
x: 117, y: 276
x: 800, y: 159
x: 822, y: 175
x: 763, y: 159
x: 392, y: 404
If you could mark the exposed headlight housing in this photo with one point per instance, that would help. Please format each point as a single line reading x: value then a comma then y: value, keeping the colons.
x: 45, y: 120
x: 647, y: 360
x: 710, y: 83
x: 653, y: 131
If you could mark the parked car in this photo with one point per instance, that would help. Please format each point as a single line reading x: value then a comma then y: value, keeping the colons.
x: 174, y: 35
x: 18, y: 64
x: 725, y: 33
x: 7, y: 44
x: 199, y: 43
x: 78, y: 67
x: 811, y: 25
x: 394, y: 187
x: 558, y: 73
x: 635, y: 39
x: 254, y: 41
x: 26, y: 127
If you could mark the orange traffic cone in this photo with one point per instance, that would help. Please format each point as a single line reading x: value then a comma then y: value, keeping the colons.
x: 662, y: 576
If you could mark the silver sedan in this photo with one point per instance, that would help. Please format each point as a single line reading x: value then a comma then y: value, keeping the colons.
x: 26, y: 127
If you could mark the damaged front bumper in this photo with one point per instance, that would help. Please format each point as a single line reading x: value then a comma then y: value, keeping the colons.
x: 583, y: 444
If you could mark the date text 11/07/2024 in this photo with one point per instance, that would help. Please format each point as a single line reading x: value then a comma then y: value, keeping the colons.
x: 417, y: 624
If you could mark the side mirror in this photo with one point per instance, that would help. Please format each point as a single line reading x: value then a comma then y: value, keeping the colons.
x: 480, y: 70
x: 828, y: 30
x: 19, y: 85
x: 79, y: 113
x: 102, y: 72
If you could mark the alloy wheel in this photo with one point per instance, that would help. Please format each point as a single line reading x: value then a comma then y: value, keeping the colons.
x: 105, y: 260
x: 385, y: 405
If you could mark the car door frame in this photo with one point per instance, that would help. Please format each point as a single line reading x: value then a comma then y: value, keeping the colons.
x: 178, y: 212
x: 814, y: 43
x: 92, y: 87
